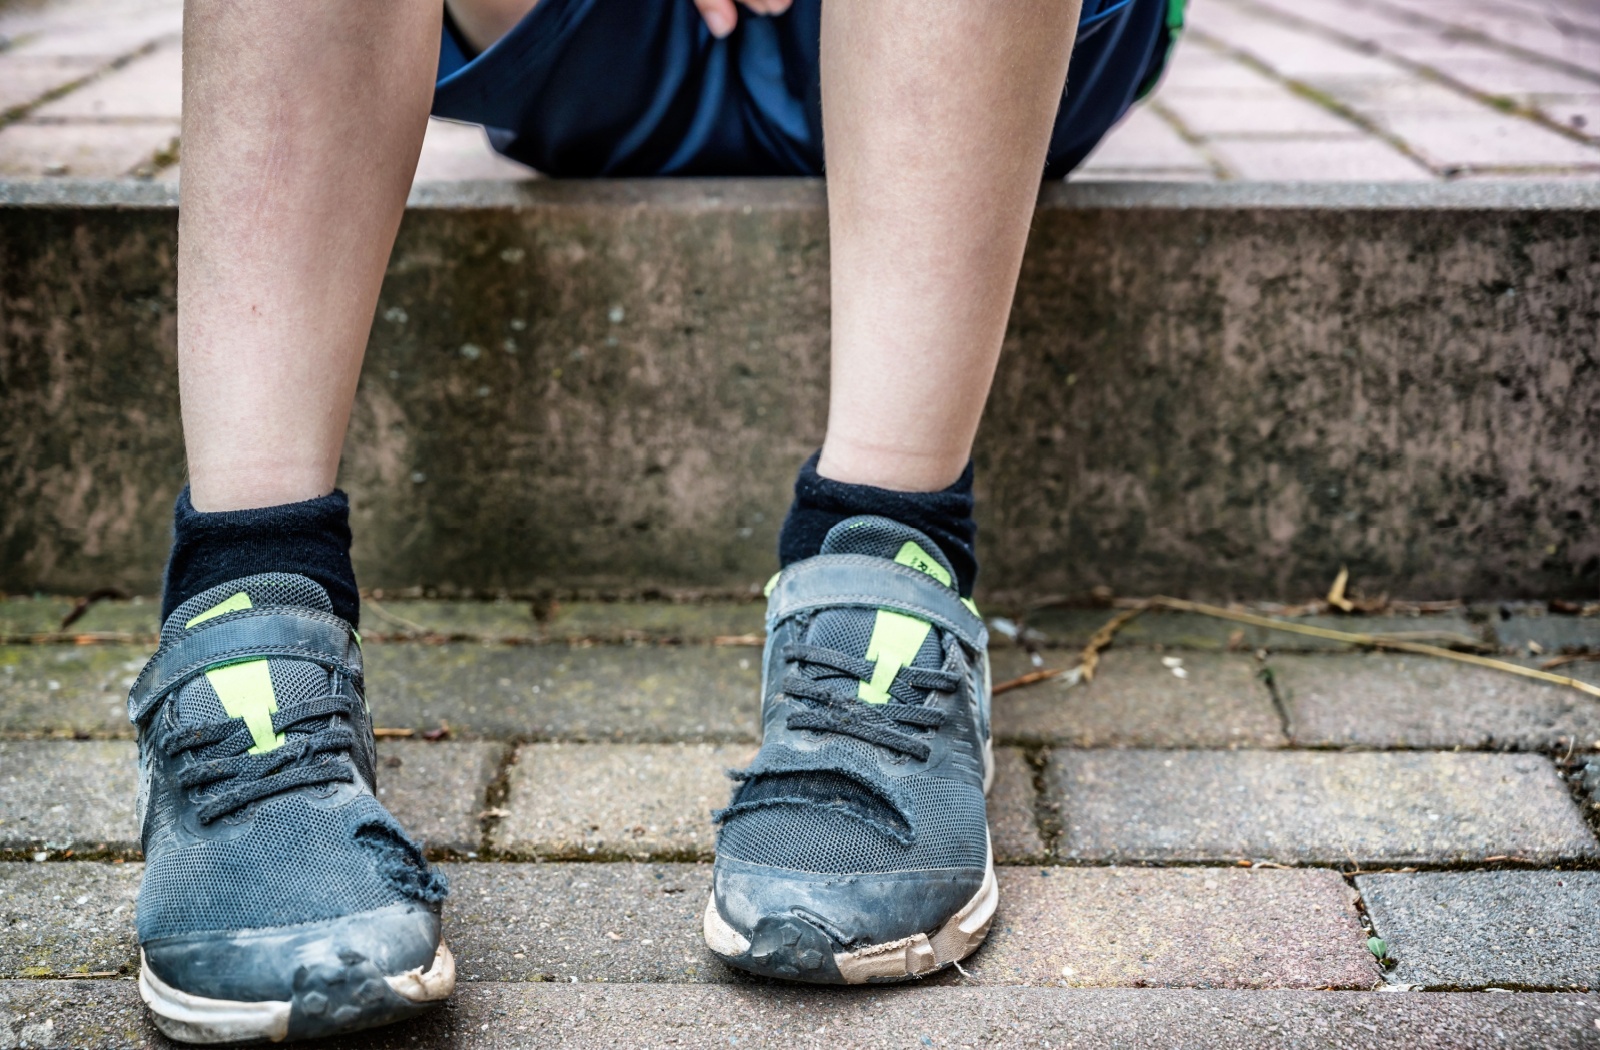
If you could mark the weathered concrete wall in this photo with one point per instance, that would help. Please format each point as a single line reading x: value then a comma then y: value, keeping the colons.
x: 1217, y: 391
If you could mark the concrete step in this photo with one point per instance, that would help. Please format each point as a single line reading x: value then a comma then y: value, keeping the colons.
x: 1225, y: 390
x: 108, y: 1013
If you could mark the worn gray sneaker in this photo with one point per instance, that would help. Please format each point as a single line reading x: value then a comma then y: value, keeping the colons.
x: 280, y: 899
x: 856, y: 846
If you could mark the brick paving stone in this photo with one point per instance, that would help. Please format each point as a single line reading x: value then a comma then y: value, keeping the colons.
x: 148, y: 88
x: 575, y: 621
x: 107, y: 35
x: 1297, y: 54
x: 67, y: 918
x: 67, y: 689
x: 25, y: 79
x: 1175, y: 927
x: 57, y: 795
x: 437, y: 790
x: 1013, y: 821
x: 1414, y: 98
x: 109, y: 1013
x: 1370, y: 809
x: 1112, y: 927
x: 1317, y: 160
x: 1489, y: 141
x: 657, y: 620
x: 1477, y: 929
x: 42, y: 615
x: 1197, y: 70
x: 61, y: 795
x: 597, y: 801
x: 639, y: 693
x: 654, y: 801
x: 593, y: 922
x: 1143, y: 141
x: 81, y: 150
x: 1282, y: 114
x: 1072, y: 628
x: 1135, y: 700
x: 1552, y: 633
x: 627, y: 922
x: 1392, y: 701
x: 1578, y: 112
x: 1508, y: 31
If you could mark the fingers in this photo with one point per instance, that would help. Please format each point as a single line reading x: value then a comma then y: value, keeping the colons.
x: 720, y: 16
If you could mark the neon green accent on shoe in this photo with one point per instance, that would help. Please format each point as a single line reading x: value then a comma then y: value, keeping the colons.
x: 918, y: 559
x: 245, y: 689
x: 895, y: 640
x: 246, y: 692
x: 766, y: 592
x: 970, y: 604
x: 896, y: 637
x: 234, y: 604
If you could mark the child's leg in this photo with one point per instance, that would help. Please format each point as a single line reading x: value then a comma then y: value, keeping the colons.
x: 856, y: 847
x: 936, y: 119
x: 302, y: 122
x: 279, y: 898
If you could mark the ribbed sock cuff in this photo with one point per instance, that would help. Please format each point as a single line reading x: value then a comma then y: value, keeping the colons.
x: 945, y: 517
x: 311, y: 538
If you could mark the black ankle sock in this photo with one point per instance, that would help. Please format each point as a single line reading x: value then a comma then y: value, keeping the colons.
x: 821, y: 503
x: 310, y: 538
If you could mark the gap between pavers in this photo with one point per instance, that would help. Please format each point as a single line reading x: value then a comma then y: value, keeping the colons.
x: 1388, y: 701
x: 1553, y: 633
x: 96, y: 1014
x: 1480, y: 929
x: 654, y: 802
x: 626, y: 922
x: 1165, y: 628
x: 59, y: 795
x: 1350, y: 809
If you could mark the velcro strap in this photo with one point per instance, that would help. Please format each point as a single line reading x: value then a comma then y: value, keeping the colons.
x: 863, y: 581
x: 249, y: 634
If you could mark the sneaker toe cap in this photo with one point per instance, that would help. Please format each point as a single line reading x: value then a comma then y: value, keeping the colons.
x: 787, y: 916
x: 334, y: 972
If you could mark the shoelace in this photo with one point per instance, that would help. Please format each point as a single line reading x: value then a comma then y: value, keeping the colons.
x: 833, y: 706
x: 305, y: 758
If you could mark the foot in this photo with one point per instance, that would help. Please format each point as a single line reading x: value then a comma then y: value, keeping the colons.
x: 280, y: 899
x: 856, y: 847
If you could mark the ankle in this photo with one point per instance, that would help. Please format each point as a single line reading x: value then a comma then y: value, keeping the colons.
x: 944, y: 516
x: 310, y: 538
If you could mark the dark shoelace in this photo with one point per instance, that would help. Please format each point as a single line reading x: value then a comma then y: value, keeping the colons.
x: 832, y: 705
x: 307, y: 756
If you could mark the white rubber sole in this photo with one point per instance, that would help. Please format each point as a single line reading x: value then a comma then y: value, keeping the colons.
x: 961, y: 935
x: 196, y: 1019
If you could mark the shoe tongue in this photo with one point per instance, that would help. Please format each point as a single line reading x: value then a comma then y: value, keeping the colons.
x: 256, y: 689
x: 890, y: 639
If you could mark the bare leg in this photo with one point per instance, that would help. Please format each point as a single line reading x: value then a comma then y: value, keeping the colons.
x: 302, y: 122
x: 936, y: 117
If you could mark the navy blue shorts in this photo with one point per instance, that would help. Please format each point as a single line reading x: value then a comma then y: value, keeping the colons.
x: 584, y: 88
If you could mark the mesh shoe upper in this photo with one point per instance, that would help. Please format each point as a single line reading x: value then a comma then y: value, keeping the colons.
x: 257, y: 776
x: 872, y: 754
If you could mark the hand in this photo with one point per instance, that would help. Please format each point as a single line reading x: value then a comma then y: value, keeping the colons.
x: 722, y: 15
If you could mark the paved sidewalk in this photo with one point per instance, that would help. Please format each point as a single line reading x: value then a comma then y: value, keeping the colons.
x: 1190, y: 853
x: 1274, y: 90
